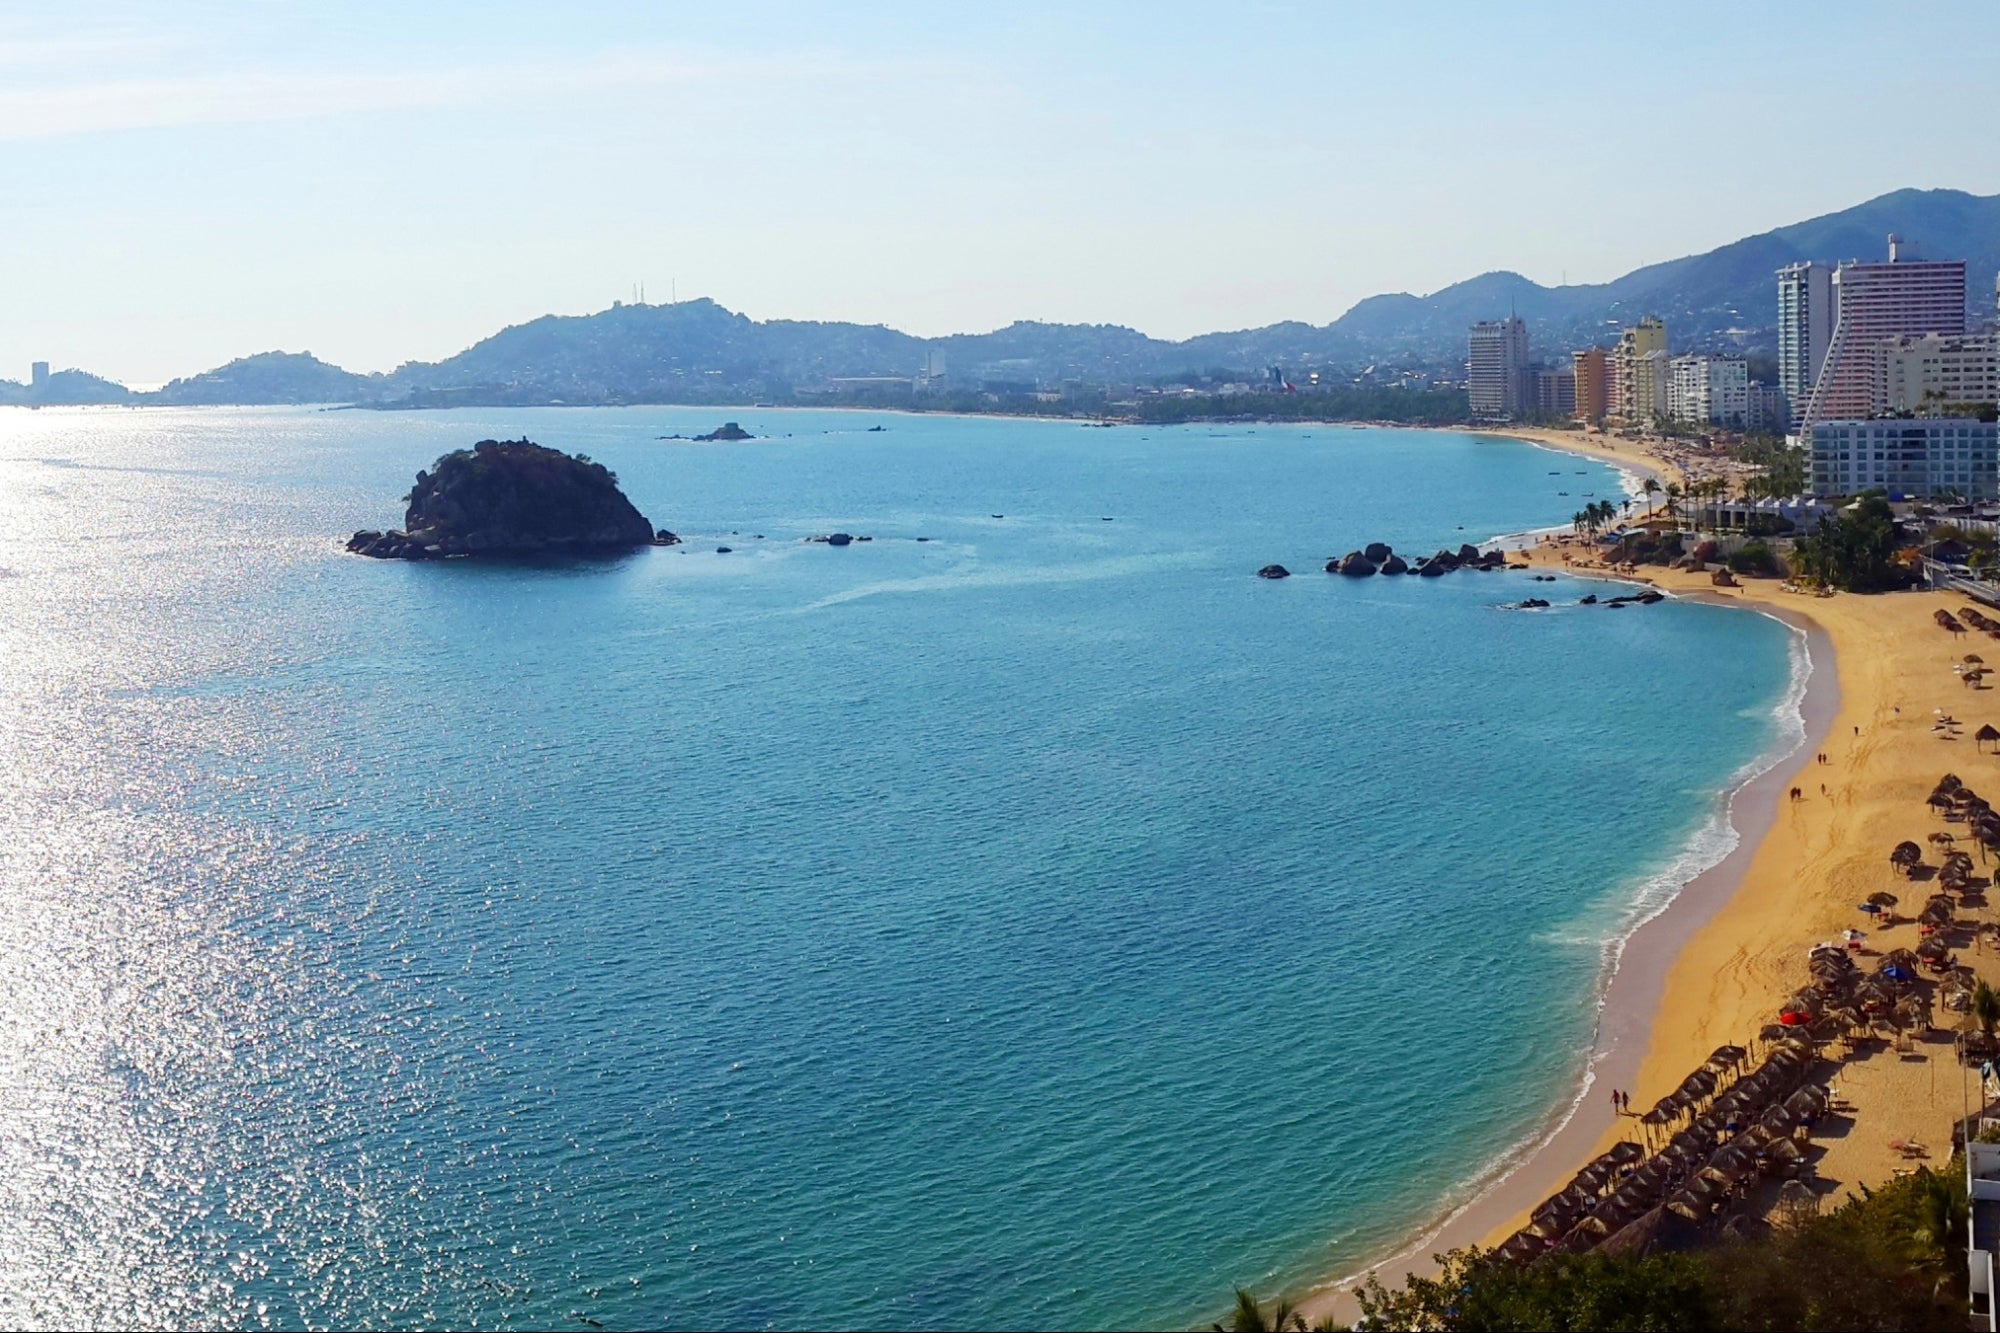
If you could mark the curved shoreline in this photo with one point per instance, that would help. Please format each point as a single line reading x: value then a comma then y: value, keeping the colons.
x: 1631, y: 989
x: 1629, y: 1002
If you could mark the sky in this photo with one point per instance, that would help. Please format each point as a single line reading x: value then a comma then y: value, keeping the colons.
x: 375, y: 183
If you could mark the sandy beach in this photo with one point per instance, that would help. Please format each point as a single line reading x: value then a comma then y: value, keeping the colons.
x: 1715, y: 966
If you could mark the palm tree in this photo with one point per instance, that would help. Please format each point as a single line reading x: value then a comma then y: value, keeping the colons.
x: 1651, y: 487
x: 1986, y: 1007
x: 1940, y: 1216
x: 1674, y: 493
x: 1250, y: 1317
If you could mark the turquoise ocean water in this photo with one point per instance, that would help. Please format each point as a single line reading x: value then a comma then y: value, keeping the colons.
x: 1045, y: 925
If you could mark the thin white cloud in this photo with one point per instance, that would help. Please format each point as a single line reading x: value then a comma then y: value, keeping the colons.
x: 104, y: 105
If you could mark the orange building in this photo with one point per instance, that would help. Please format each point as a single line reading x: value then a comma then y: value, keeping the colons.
x: 1593, y: 385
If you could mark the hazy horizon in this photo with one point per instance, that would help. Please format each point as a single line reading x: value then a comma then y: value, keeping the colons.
x: 377, y: 185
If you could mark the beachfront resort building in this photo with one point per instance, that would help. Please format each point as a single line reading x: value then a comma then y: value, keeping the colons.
x: 1592, y: 374
x: 1872, y: 302
x: 1767, y: 409
x: 1498, y: 381
x: 1805, y: 326
x: 1982, y: 1194
x: 1929, y: 374
x: 1648, y: 392
x: 1909, y: 457
x: 1709, y: 390
x: 1638, y: 382
x: 1555, y: 393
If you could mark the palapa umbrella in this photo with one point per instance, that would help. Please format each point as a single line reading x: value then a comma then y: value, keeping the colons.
x: 1987, y: 734
x: 1972, y: 659
x: 1691, y: 1206
x: 1577, y: 1241
x: 1698, y: 1084
x: 1906, y: 855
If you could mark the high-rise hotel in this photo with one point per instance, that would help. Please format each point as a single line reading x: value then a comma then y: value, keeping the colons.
x: 1805, y: 327
x: 1498, y: 380
x: 1872, y: 302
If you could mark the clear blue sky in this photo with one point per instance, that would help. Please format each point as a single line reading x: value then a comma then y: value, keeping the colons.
x: 379, y: 182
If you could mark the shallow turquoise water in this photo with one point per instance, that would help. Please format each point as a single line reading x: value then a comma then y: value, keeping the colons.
x: 1046, y: 925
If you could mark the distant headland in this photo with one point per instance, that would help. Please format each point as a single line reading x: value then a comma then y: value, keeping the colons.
x: 1395, y: 357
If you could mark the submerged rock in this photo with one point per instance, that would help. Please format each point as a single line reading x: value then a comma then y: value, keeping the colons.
x: 1395, y: 564
x: 1274, y: 572
x: 512, y: 497
x: 1355, y: 565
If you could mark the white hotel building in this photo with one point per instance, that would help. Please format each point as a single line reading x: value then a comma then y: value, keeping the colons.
x: 1913, y: 458
x: 1710, y: 389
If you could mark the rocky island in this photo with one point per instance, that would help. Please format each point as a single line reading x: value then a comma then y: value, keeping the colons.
x: 513, y: 497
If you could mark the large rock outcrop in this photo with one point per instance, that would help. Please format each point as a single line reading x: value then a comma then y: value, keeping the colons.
x: 512, y: 497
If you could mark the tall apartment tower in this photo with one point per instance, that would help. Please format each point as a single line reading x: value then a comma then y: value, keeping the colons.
x: 1497, y: 379
x: 1876, y: 301
x: 1638, y: 388
x: 1593, y: 384
x: 1805, y: 326
x: 38, y: 376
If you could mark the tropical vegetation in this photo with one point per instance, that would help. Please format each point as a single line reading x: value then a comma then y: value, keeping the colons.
x: 1888, y: 1259
x: 1855, y: 549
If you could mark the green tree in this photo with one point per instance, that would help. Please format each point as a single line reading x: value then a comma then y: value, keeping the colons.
x: 1986, y: 1007
x: 1855, y: 550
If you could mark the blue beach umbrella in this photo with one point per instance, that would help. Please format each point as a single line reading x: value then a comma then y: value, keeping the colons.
x: 1895, y: 973
x: 1871, y: 908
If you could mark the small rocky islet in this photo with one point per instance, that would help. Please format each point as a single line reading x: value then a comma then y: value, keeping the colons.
x: 512, y: 498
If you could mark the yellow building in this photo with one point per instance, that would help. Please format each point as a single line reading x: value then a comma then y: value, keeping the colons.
x: 1641, y: 373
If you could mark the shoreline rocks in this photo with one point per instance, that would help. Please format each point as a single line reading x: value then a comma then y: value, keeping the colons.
x: 1381, y: 558
x: 1274, y: 572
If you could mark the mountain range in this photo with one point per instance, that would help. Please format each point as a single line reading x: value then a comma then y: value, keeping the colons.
x: 698, y: 351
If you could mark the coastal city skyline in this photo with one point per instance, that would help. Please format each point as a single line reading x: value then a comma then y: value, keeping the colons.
x: 1067, y: 667
x: 941, y: 174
